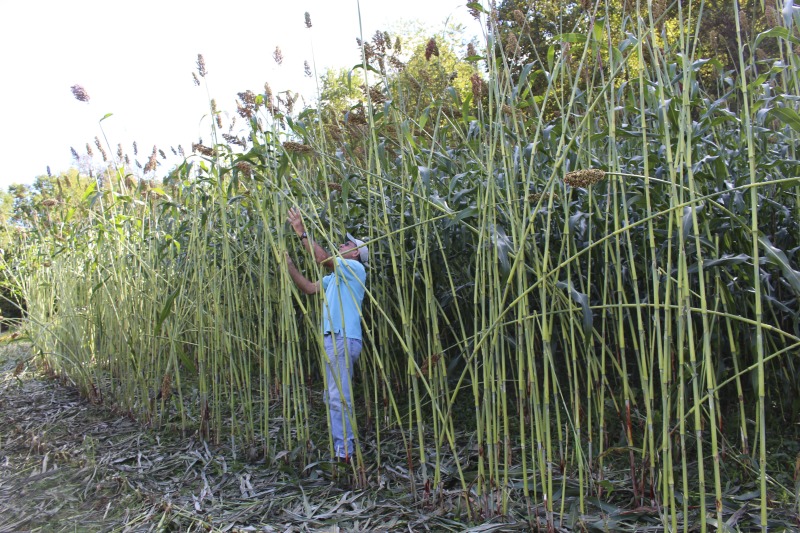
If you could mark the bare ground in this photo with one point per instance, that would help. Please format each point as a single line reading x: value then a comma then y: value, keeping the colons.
x: 68, y: 465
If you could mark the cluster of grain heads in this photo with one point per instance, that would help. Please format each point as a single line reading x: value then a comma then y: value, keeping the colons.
x: 584, y: 178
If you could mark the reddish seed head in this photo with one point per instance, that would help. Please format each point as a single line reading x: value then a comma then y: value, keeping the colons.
x: 80, y: 93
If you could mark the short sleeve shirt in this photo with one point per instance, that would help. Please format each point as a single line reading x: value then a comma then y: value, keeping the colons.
x: 344, y: 293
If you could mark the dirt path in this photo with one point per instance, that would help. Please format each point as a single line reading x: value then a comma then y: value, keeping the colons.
x: 68, y: 465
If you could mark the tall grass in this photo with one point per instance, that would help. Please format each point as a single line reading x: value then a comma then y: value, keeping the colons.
x: 570, y: 300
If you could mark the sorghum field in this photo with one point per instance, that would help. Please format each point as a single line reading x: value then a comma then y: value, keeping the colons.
x: 582, y: 309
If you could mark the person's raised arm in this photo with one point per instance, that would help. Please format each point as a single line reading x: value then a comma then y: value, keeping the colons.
x: 319, y: 253
x: 302, y: 282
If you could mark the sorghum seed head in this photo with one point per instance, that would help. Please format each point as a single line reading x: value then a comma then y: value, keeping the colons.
x: 471, y: 50
x: 119, y: 152
x: 387, y: 40
x: 744, y: 22
x: 475, y: 13
x: 519, y: 18
x: 307, y: 19
x: 277, y: 55
x: 205, y: 150
x: 431, y: 49
x: 49, y: 174
x: 80, y: 93
x: 74, y: 153
x: 297, y: 148
x: 584, y: 177
x: 478, y: 86
x: 771, y: 16
x: 152, y: 162
x: 201, y: 66
x: 89, y: 150
x: 245, y: 167
x: 166, y: 387
x: 173, y: 150
x: 306, y: 69
x: 511, y: 44
x: 334, y: 187
x: 398, y: 45
x: 135, y: 149
x: 195, y: 79
x: 50, y: 202
x: 162, y: 154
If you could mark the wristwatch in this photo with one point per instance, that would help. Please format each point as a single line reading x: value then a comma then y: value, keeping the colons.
x: 303, y: 235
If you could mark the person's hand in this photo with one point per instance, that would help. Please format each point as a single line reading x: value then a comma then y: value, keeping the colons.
x: 289, y: 260
x: 296, y: 220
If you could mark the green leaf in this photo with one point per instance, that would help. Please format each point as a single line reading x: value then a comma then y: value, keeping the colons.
x: 776, y: 257
x: 779, y: 32
x: 570, y: 38
x: 582, y: 300
x: 787, y: 116
x: 106, y: 116
x: 89, y: 190
x: 165, y: 311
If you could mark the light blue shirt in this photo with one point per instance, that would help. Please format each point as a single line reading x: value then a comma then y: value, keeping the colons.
x: 344, y: 292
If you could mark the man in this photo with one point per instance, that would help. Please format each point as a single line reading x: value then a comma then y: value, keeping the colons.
x: 341, y: 323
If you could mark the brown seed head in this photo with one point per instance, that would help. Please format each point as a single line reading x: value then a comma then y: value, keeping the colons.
x: 201, y: 66
x: 334, y: 187
x: 379, y: 42
x: 233, y: 139
x: 120, y: 153
x: 431, y: 49
x: 584, y: 178
x: 166, y: 387
x: 162, y: 154
x: 49, y: 174
x: 277, y: 55
x: 478, y: 86
x: 74, y: 153
x: 181, y: 152
x: 511, y: 44
x: 205, y: 150
x: 80, y: 93
x: 519, y: 17
x: 307, y: 19
x: 396, y: 63
x: 771, y: 16
x: 306, y: 69
x: 545, y: 197
x: 387, y: 39
x: 50, y: 202
x: 744, y: 22
x: 195, y: 79
x: 89, y: 150
x: 297, y: 148
x: 475, y: 13
x: 471, y: 50
x: 398, y: 45
x: 135, y: 148
x: 153, y: 161
x: 245, y: 168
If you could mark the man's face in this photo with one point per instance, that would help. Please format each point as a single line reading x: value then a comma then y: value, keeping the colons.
x: 348, y: 250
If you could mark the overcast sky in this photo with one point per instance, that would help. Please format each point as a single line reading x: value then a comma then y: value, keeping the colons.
x: 135, y: 60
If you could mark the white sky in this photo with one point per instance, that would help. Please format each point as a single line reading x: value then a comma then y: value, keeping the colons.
x: 135, y: 60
